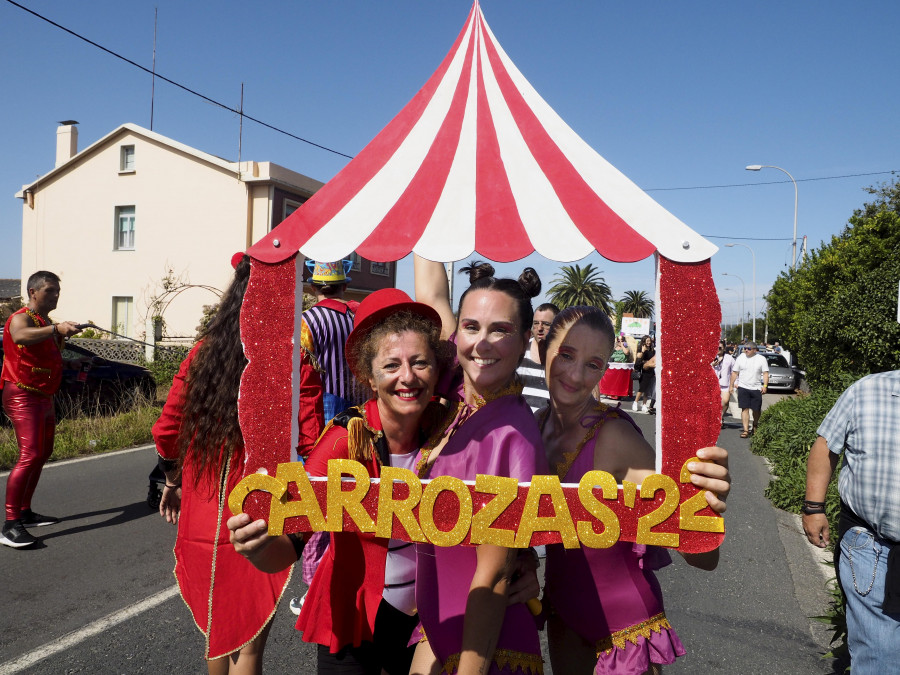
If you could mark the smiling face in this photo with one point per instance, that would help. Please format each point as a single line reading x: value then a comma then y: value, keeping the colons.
x: 489, y: 341
x: 404, y: 374
x: 576, y: 360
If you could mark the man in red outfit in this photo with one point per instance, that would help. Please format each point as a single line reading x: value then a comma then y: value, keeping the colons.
x: 31, y: 375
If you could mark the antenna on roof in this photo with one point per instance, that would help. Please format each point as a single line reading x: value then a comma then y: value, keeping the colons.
x: 153, y: 77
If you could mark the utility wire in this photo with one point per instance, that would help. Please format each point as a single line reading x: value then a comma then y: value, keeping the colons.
x: 176, y: 84
x: 341, y: 154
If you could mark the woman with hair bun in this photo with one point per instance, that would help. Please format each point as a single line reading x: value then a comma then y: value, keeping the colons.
x: 462, y: 592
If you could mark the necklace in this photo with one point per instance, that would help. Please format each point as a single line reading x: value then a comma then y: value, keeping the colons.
x: 562, y: 467
x: 457, y: 415
x: 39, y: 321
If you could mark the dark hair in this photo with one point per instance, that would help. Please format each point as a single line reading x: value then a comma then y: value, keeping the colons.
x: 592, y: 317
x: 40, y: 279
x: 399, y: 322
x: 329, y: 290
x: 547, y: 306
x: 210, y: 432
x: 521, y: 290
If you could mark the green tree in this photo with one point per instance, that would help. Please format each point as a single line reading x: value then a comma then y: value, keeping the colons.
x: 838, y: 310
x: 576, y: 285
x: 638, y: 303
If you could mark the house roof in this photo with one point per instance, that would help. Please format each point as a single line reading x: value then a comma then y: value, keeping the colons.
x: 249, y: 171
x: 478, y: 161
x: 10, y: 288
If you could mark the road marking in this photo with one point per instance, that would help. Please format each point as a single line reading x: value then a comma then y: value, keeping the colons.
x: 89, y: 458
x: 92, y: 629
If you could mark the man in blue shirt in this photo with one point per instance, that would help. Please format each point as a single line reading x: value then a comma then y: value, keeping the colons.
x: 865, y: 425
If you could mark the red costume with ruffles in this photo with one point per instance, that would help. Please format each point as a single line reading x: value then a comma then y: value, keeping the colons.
x: 31, y: 375
x: 231, y: 601
x: 345, y: 594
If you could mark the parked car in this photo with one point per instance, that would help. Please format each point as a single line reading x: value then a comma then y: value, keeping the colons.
x: 781, y: 375
x: 99, y: 385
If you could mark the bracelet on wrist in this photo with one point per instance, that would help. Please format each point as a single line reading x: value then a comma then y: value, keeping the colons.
x: 173, y: 487
x: 810, y: 507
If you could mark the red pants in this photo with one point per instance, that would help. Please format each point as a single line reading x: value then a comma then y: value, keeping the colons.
x: 34, y: 422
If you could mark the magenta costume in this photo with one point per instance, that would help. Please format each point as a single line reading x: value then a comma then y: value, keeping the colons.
x: 610, y: 596
x: 500, y: 438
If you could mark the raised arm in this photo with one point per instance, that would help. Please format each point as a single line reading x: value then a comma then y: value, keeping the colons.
x: 433, y: 288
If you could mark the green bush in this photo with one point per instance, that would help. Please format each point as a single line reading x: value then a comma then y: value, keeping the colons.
x: 785, y: 433
x: 166, y: 364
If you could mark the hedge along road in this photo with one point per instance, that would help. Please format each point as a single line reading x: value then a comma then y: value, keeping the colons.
x: 97, y: 593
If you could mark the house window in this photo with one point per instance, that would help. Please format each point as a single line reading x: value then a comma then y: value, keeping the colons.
x: 126, y: 158
x: 289, y: 207
x: 357, y: 262
x: 381, y: 269
x: 121, y: 315
x: 124, y: 228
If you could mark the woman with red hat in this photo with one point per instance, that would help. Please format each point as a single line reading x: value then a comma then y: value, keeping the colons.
x: 361, y: 607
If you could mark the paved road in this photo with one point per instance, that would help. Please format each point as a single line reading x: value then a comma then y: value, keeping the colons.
x: 97, y: 594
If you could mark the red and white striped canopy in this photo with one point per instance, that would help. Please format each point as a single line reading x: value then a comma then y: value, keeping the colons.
x: 478, y: 162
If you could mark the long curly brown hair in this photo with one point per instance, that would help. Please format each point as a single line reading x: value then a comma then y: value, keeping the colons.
x: 209, y: 430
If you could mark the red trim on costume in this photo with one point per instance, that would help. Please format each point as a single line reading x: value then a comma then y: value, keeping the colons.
x: 36, y: 368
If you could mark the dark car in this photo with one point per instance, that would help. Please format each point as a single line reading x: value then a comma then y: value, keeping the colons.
x: 781, y: 375
x: 99, y: 385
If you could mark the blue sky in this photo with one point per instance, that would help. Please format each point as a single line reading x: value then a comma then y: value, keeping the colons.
x: 675, y: 95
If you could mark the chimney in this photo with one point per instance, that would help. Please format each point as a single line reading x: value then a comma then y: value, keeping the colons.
x: 66, y: 141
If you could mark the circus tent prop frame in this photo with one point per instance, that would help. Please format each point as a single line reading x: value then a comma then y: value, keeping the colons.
x: 477, y: 161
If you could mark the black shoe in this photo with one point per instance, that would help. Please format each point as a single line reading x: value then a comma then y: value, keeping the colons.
x: 15, y: 535
x: 32, y: 519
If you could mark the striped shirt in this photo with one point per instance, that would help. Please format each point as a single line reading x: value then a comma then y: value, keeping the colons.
x: 865, y: 425
x: 329, y: 325
x: 531, y: 374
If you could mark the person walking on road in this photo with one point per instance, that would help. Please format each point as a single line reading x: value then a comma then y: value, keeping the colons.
x: 865, y: 425
x: 751, y: 372
x: 31, y: 375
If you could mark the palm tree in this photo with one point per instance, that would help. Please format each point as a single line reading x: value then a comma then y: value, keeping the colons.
x: 575, y: 285
x: 638, y: 303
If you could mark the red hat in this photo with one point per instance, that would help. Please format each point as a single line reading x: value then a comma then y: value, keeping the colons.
x: 236, y: 259
x: 376, y: 307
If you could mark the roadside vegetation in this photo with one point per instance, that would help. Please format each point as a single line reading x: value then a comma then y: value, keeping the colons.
x: 837, y: 312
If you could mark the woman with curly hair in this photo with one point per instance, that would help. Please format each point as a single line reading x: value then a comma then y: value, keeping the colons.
x: 361, y: 606
x: 200, y: 445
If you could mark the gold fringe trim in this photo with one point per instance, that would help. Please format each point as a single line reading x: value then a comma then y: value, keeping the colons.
x: 504, y: 658
x: 655, y: 624
x: 42, y: 371
x: 33, y: 390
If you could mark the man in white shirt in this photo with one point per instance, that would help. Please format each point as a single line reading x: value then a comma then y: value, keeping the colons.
x: 751, y: 372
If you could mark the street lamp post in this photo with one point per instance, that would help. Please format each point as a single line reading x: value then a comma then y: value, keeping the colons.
x: 753, y: 255
x: 757, y: 167
x: 743, y: 295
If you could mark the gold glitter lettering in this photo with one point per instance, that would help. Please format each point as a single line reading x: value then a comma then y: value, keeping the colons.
x: 687, y: 514
x: 645, y: 533
x: 506, y: 490
x: 629, y: 493
x: 388, y: 507
x: 307, y: 504
x: 455, y: 535
x: 560, y: 521
x: 255, y: 481
x: 340, y: 500
x: 600, y: 511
